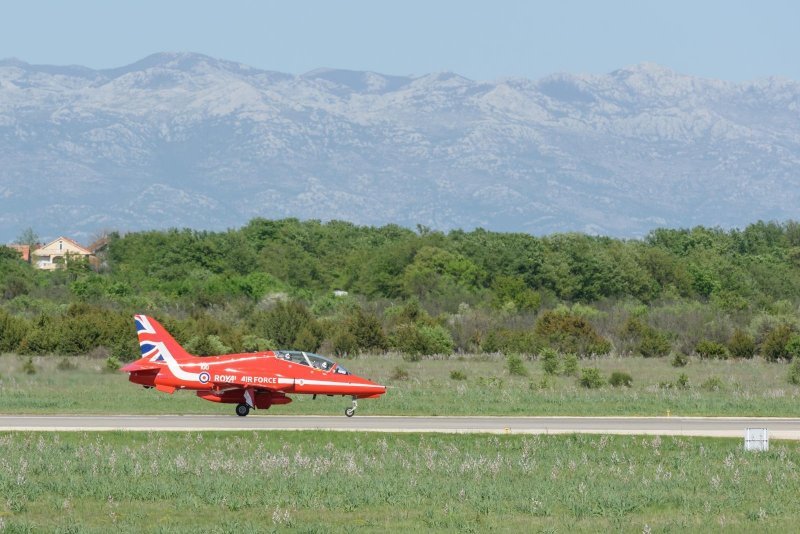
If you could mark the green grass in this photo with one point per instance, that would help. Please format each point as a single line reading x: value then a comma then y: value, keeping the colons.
x: 327, y: 481
x: 754, y: 388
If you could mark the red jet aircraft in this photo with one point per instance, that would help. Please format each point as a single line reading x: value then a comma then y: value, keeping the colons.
x: 254, y: 380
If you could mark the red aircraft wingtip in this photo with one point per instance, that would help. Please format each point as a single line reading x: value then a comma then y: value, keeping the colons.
x: 137, y: 366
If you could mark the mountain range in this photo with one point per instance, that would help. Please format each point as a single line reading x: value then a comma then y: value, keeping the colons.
x: 186, y: 140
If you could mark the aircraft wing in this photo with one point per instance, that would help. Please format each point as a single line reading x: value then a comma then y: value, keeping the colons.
x: 139, y: 366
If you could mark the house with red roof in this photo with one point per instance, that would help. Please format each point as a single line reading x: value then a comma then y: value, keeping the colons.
x: 58, y: 252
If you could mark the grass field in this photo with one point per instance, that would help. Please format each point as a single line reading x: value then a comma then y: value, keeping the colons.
x: 323, y: 482
x: 754, y: 388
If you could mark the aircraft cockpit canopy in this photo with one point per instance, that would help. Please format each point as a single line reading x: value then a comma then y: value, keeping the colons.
x: 312, y: 360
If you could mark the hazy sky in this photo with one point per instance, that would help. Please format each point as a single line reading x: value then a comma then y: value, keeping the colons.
x: 734, y: 40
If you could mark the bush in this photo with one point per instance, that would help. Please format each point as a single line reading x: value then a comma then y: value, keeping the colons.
x: 793, y: 347
x: 549, y: 361
x: 683, y: 381
x: 344, y: 342
x: 644, y: 339
x: 416, y: 341
x: 28, y: 367
x: 741, y: 345
x: 12, y: 331
x: 515, y: 365
x: 680, y: 360
x: 619, y: 378
x: 458, y: 375
x: 591, y: 378
x: 571, y: 365
x: 794, y: 372
x: 507, y: 340
x: 774, y: 346
x: 368, y: 331
x: 112, y: 364
x: 711, y: 349
x: 568, y: 332
x: 290, y: 325
x: 42, y: 338
x: 654, y: 344
x: 207, y: 346
x: 308, y: 339
x: 251, y: 343
x: 436, y: 339
x: 712, y: 384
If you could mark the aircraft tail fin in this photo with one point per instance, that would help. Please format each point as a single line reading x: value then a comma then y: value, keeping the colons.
x: 156, y: 344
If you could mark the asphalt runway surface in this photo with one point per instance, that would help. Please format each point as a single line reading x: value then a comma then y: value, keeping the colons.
x: 779, y: 428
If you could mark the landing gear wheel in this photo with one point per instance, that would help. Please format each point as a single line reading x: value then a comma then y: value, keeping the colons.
x: 350, y: 412
x: 242, y: 409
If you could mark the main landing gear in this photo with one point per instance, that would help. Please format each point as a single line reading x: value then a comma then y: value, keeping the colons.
x: 350, y: 412
x: 242, y: 409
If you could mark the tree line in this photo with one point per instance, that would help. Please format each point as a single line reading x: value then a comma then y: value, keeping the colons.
x: 270, y: 284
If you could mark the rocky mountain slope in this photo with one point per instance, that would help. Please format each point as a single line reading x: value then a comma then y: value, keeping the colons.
x: 188, y: 140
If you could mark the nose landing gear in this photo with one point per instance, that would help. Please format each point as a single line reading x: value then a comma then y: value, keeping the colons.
x: 242, y: 409
x: 350, y: 412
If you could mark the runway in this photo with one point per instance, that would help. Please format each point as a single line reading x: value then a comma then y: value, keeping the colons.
x: 779, y: 428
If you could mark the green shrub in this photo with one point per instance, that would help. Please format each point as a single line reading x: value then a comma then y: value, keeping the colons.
x: 344, y: 342
x: 42, y: 338
x: 210, y: 345
x: 436, y: 339
x: 112, y: 364
x: 680, y: 360
x: 251, y: 343
x: 28, y: 367
x: 591, y: 378
x: 619, y: 378
x: 309, y: 338
x: 286, y: 322
x: 794, y: 372
x: 359, y: 331
x: 458, y: 375
x: 508, y: 340
x: 654, y: 344
x: 712, y: 384
x: 415, y: 341
x: 741, y: 345
x: 774, y: 346
x: 793, y: 347
x: 515, y: 365
x: 683, y: 381
x: 569, y: 332
x: 549, y: 361
x: 12, y: 331
x: 571, y: 365
x: 126, y: 348
x: 711, y: 350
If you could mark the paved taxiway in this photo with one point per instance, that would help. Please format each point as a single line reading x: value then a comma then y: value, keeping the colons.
x: 779, y: 428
